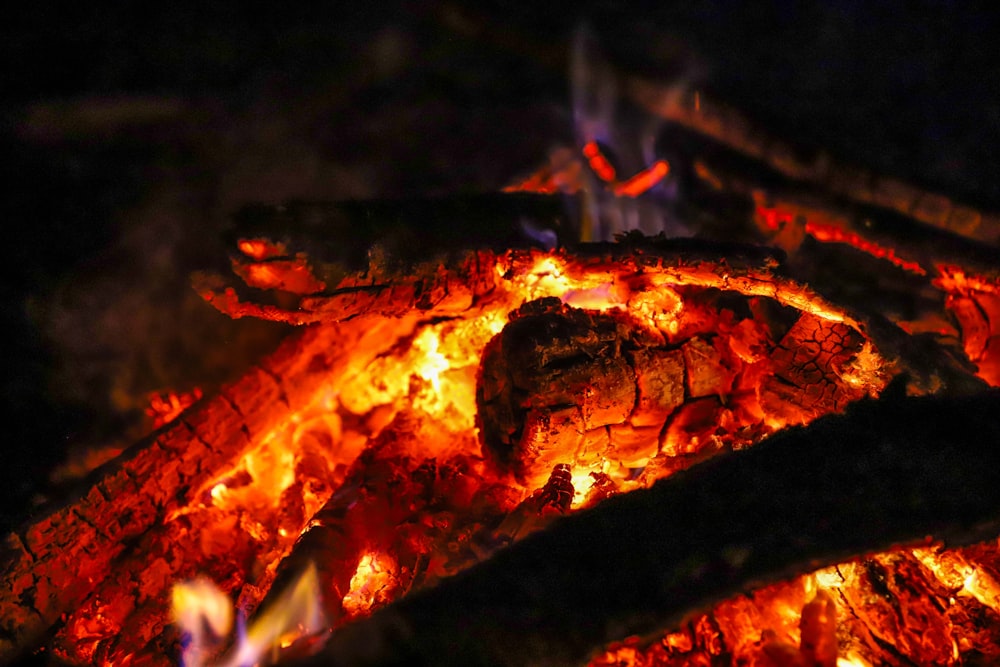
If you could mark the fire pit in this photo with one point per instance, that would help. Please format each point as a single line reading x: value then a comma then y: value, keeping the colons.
x: 775, y: 451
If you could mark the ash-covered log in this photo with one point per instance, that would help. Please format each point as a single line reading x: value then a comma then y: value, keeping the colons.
x: 887, y: 473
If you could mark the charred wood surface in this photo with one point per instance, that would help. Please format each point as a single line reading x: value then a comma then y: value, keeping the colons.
x: 445, y: 286
x: 450, y: 282
x: 887, y: 473
x: 412, y: 230
x: 57, y: 561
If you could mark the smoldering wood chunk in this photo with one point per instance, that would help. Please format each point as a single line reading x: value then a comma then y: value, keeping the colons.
x: 660, y: 377
x: 552, y: 377
x: 982, y: 342
x: 695, y: 421
x: 808, y: 363
x: 973, y: 322
x: 564, y: 385
x: 903, y: 608
x: 707, y: 372
x: 553, y: 499
x: 603, y: 488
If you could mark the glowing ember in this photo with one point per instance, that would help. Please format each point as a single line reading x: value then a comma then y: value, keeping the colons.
x: 643, y: 181
x: 373, y: 584
x: 165, y: 407
x: 261, y: 249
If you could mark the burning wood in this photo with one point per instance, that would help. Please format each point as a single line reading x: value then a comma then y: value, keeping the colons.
x: 895, y: 472
x: 591, y: 375
x: 57, y: 565
x: 447, y: 403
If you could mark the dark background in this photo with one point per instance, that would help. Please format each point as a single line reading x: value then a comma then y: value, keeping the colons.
x: 130, y: 135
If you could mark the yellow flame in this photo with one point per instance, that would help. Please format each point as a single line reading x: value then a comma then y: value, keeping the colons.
x: 205, y: 614
x: 430, y: 363
x: 852, y: 659
x: 296, y: 613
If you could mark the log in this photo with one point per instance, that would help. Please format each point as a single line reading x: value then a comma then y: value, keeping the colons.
x: 411, y: 230
x: 565, y: 385
x: 60, y: 559
x: 450, y: 286
x: 785, y: 211
x: 898, y: 471
x: 382, y: 491
x: 729, y: 127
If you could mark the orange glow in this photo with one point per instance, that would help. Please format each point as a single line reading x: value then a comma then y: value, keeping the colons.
x: 643, y: 181
x: 261, y: 249
x: 406, y: 401
x: 290, y: 275
x: 834, y: 234
x: 954, y: 279
x: 974, y: 303
x: 372, y: 585
x: 772, y: 217
x: 827, y: 229
x: 598, y: 162
x: 563, y: 175
x: 166, y: 406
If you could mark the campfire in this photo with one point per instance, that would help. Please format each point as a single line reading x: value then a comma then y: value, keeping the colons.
x: 642, y: 452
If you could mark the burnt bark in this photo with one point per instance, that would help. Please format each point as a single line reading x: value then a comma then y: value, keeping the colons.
x: 887, y: 473
x: 411, y: 230
x: 60, y: 561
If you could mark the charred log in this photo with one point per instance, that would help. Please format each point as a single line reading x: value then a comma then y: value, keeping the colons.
x: 887, y: 473
x: 451, y: 286
x: 564, y: 384
x: 341, y: 235
x: 731, y: 128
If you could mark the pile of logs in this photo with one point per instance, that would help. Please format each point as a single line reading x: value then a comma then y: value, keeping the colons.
x: 491, y: 566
